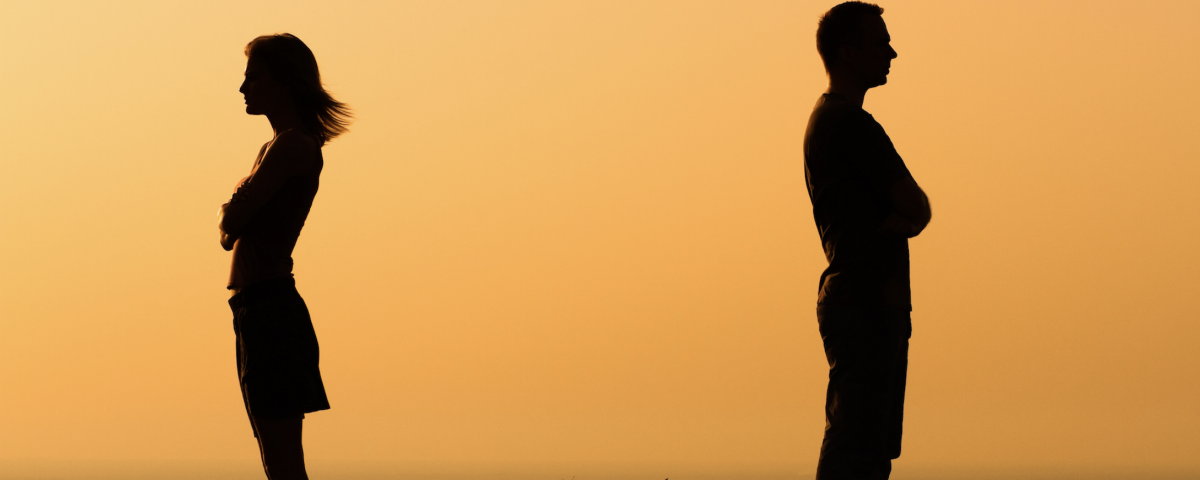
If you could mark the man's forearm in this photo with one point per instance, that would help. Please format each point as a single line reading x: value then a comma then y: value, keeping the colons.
x: 925, y: 214
x: 899, y: 224
x: 910, y: 202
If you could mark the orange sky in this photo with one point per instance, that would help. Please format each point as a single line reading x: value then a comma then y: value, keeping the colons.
x: 577, y: 232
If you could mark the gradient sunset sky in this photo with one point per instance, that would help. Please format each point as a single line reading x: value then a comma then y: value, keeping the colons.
x: 578, y: 231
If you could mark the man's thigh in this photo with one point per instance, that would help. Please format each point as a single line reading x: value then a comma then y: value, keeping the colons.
x: 867, y: 352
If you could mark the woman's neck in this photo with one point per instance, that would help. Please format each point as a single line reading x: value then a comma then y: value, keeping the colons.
x: 283, y: 120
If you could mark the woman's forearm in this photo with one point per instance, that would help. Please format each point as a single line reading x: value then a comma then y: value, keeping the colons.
x: 227, y: 240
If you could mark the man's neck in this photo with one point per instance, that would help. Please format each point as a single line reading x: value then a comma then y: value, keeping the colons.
x: 852, y: 91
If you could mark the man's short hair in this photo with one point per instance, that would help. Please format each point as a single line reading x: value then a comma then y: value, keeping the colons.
x: 842, y: 25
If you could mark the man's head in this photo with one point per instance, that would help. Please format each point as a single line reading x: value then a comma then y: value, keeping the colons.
x: 854, y: 42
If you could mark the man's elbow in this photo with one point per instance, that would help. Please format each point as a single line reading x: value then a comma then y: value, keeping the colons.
x: 926, y: 210
x: 919, y: 223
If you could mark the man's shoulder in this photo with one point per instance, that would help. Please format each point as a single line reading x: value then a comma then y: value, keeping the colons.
x: 834, y: 111
x: 834, y: 103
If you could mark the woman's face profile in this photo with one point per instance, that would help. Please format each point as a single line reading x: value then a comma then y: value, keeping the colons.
x: 262, y: 93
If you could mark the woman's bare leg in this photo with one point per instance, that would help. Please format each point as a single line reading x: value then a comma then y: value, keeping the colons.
x: 279, y: 444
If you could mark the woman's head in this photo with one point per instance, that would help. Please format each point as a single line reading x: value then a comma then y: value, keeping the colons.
x: 281, y: 68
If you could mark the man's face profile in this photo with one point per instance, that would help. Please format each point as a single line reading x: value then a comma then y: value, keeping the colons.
x: 871, y: 60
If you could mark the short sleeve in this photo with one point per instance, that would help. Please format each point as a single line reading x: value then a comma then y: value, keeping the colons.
x: 871, y: 154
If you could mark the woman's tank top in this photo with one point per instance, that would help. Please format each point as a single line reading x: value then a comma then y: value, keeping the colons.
x: 263, y: 250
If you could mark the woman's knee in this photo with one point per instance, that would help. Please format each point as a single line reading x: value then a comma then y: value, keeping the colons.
x: 282, y: 450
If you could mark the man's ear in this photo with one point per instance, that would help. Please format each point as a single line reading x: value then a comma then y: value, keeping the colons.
x: 847, y: 54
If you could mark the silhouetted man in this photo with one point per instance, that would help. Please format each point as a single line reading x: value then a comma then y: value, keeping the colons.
x: 867, y: 206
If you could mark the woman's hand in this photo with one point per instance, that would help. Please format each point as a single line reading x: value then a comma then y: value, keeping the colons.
x: 239, y: 190
x: 289, y: 154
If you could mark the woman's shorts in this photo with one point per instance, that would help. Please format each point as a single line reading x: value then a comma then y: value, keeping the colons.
x: 277, y: 352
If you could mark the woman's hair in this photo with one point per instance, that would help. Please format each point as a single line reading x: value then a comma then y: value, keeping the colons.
x: 291, y: 63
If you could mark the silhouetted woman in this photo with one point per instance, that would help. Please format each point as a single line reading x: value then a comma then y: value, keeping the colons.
x: 277, y: 349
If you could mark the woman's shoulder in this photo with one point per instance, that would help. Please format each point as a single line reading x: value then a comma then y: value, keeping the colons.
x: 294, y: 148
x: 298, y: 138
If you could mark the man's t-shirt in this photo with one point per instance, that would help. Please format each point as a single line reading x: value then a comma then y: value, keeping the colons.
x: 850, y: 165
